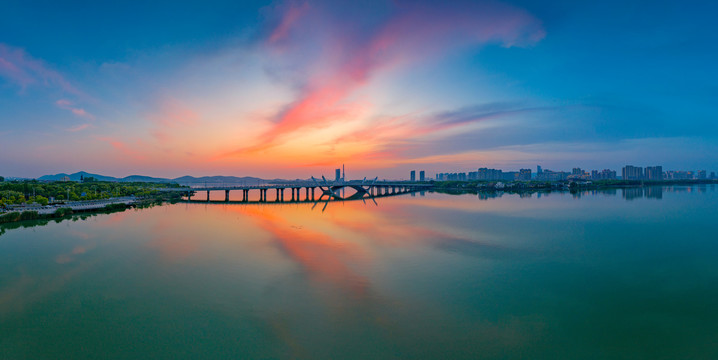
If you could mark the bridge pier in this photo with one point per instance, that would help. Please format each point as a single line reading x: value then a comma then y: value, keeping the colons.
x: 245, y: 195
x: 226, y: 195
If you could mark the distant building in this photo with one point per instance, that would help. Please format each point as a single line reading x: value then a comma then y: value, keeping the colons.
x: 630, y: 172
x: 65, y: 178
x: 654, y: 173
x: 548, y: 175
x: 701, y: 175
x: 713, y: 175
x: 338, y: 175
x: 489, y: 174
x: 422, y: 175
x: 605, y: 174
x: 412, y: 176
x: 539, y: 170
x: 525, y: 174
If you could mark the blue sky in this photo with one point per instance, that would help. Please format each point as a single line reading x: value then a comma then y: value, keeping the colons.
x: 295, y: 88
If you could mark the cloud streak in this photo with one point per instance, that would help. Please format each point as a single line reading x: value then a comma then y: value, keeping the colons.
x: 349, y: 60
x: 23, y: 70
x: 68, y: 105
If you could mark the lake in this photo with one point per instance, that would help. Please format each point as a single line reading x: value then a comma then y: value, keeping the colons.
x: 618, y: 274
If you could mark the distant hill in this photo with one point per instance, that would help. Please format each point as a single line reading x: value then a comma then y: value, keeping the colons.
x: 76, y: 177
x: 184, y: 180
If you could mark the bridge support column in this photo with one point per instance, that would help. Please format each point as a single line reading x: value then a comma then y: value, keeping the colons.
x: 245, y: 195
x: 312, y: 193
x: 282, y: 194
x: 292, y: 194
x: 226, y: 195
x: 189, y: 195
x: 207, y: 195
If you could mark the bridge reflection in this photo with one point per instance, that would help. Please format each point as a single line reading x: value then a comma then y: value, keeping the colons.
x: 307, y: 192
x: 323, y: 198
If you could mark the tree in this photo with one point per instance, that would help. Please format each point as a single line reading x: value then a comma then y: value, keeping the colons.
x: 41, y: 200
x: 2, y: 179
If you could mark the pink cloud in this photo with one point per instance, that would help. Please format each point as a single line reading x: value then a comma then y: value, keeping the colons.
x: 123, y: 148
x: 68, y: 105
x: 349, y: 61
x: 289, y: 18
x: 24, y: 70
x: 172, y: 114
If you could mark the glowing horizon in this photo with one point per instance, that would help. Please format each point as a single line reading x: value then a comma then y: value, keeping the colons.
x: 297, y: 88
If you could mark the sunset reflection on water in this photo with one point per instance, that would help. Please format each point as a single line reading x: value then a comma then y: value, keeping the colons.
x: 460, y: 276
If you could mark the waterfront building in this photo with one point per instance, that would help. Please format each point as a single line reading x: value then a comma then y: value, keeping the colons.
x: 525, y: 174
x: 422, y: 175
x: 654, y: 173
x: 630, y: 172
x: 489, y: 174
x: 548, y: 175
x: 412, y: 176
x: 605, y: 174
x: 337, y: 175
x: 701, y: 175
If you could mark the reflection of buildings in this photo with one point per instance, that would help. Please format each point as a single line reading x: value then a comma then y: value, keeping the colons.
x: 632, y: 193
x: 490, y: 195
x: 654, y: 192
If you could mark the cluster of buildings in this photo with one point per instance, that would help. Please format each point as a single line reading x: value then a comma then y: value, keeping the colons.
x: 628, y: 172
x: 487, y: 175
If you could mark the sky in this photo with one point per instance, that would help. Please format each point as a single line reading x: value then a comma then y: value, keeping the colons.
x: 294, y: 89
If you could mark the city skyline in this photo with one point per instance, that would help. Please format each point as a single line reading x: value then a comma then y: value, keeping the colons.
x: 293, y: 89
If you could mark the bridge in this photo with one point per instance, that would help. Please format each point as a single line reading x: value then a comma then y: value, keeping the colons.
x: 308, y: 191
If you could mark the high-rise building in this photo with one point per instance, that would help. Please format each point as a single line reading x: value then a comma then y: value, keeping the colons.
x: 701, y: 174
x: 422, y: 174
x: 337, y: 175
x: 654, y: 173
x: 413, y: 175
x: 632, y: 172
x: 713, y: 175
x: 539, y: 170
x: 525, y: 175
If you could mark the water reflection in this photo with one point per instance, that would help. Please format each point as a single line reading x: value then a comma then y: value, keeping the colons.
x: 488, y: 275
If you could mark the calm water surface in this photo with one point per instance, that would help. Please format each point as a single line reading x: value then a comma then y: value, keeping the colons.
x: 627, y: 274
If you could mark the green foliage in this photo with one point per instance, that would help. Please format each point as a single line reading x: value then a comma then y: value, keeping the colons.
x: 41, y: 200
x: 16, y: 192
x: 2, y: 179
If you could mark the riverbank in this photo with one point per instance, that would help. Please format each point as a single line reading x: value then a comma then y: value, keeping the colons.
x: 524, y: 186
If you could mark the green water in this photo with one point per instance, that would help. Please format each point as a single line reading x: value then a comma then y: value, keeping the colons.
x: 625, y: 274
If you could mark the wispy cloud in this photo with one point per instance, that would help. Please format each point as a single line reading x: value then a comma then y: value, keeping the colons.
x: 347, y: 59
x: 68, y: 105
x: 123, y: 148
x: 79, y: 127
x: 22, y: 69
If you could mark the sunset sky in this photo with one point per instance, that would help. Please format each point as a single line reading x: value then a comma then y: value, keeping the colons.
x: 294, y: 89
